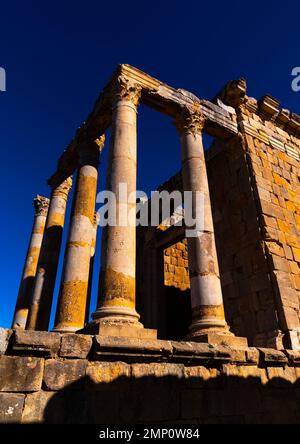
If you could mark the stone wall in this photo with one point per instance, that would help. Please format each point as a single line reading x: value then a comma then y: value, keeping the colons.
x: 273, y: 159
x: 254, y: 183
x: 176, y: 272
x: 248, y: 293
x: 72, y: 378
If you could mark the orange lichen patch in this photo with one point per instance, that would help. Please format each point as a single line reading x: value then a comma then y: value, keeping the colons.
x: 22, y: 313
x: 55, y: 219
x: 86, y: 195
x: 277, y: 179
x: 39, y: 229
x: 292, y: 240
x: 209, y: 311
x: 290, y: 206
x: 296, y: 253
x: 71, y: 311
x: 294, y: 267
x: 281, y: 237
x: 176, y: 266
x: 31, y: 262
x: 116, y: 288
x: 284, y: 226
x: 78, y: 244
x: 292, y: 195
x: 118, y: 302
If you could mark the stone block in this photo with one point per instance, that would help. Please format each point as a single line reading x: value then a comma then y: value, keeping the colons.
x: 101, y: 373
x: 196, y: 376
x: 296, y: 254
x: 193, y: 351
x: 35, y: 343
x: 291, y: 318
x: 126, y: 331
x: 5, y: 334
x: 20, y: 374
x: 252, y: 373
x: 252, y: 355
x: 280, y: 263
x: 193, y: 404
x: 159, y: 370
x: 288, y: 252
x: 275, y: 248
x: 293, y: 357
x: 237, y: 355
x: 75, y: 346
x: 272, y: 357
x: 43, y: 406
x: 222, y: 339
x: 11, y: 407
x: 281, y: 375
x: 111, y: 345
x: 154, y: 394
x: 61, y: 374
x: 289, y: 297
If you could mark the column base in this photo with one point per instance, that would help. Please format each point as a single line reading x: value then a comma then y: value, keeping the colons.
x: 106, y: 327
x: 218, y: 337
x: 65, y: 330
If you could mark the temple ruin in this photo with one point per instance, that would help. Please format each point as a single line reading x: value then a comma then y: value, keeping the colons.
x: 179, y: 313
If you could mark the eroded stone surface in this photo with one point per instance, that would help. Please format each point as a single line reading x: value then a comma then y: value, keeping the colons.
x: 36, y: 342
x: 11, y: 407
x: 37, y: 409
x: 20, y: 374
x: 60, y: 374
x: 5, y: 334
x: 75, y: 346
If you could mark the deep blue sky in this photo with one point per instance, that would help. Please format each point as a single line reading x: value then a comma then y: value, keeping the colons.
x: 59, y: 55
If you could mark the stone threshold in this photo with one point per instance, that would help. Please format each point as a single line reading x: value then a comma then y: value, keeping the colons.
x: 111, y: 348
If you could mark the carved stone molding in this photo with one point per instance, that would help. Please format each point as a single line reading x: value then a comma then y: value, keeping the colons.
x: 128, y: 90
x: 100, y: 142
x: 190, y: 122
x: 89, y: 150
x: 41, y: 205
x: 62, y: 190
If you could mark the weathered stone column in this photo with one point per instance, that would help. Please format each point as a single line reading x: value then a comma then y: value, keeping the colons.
x: 41, y: 205
x: 71, y: 307
x: 116, y: 301
x: 40, y: 308
x: 208, y: 320
x: 92, y: 258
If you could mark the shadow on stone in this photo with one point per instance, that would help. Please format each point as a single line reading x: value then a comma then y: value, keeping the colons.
x: 174, y: 399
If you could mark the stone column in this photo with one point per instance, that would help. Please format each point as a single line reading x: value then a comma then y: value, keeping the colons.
x: 71, y: 307
x: 92, y: 258
x: 116, y: 300
x: 40, y: 308
x: 208, y: 320
x: 41, y: 205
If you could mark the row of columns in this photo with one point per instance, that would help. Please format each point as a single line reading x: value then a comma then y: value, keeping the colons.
x: 116, y: 301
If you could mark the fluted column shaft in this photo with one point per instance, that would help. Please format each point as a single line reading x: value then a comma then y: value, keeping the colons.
x: 41, y: 205
x: 116, y: 300
x: 40, y: 308
x: 92, y: 259
x: 71, y: 307
x: 206, y: 294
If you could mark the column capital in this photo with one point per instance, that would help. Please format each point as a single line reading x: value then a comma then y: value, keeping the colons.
x: 62, y: 190
x: 89, y: 150
x: 128, y: 90
x: 41, y: 205
x: 190, y: 122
